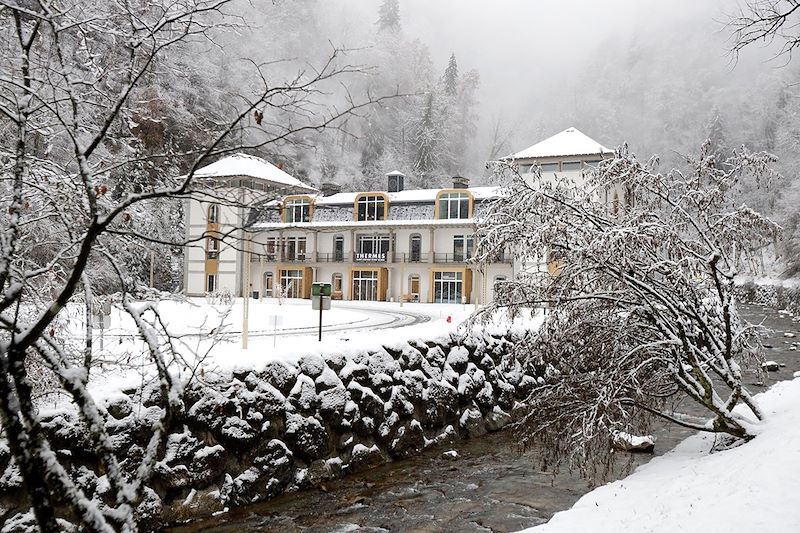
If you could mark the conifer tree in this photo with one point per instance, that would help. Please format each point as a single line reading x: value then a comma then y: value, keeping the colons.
x: 450, y: 79
x: 389, y: 15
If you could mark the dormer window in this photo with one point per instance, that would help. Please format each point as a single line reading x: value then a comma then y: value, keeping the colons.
x: 297, y: 209
x: 371, y: 206
x: 453, y: 205
x: 213, y: 214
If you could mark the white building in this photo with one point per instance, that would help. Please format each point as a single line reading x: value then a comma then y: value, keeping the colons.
x: 567, y: 153
x: 392, y: 245
x: 410, y: 245
x: 215, y: 216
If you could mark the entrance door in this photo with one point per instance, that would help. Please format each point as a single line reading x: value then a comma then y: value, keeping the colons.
x: 447, y: 287
x: 292, y: 281
x: 365, y: 285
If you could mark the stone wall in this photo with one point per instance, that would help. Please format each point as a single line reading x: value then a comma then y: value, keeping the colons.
x: 253, y: 435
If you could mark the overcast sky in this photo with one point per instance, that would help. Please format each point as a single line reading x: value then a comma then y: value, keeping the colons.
x: 513, y: 43
x: 525, y: 48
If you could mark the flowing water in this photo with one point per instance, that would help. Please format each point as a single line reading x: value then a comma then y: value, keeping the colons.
x: 491, y: 486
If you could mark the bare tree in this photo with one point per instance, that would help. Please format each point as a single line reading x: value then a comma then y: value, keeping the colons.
x: 766, y: 21
x: 640, y: 288
x: 69, y: 77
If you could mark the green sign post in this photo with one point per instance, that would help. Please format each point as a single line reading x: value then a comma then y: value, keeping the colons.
x: 320, y: 293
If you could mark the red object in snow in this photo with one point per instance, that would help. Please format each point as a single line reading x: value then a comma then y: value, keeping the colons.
x: 449, y: 319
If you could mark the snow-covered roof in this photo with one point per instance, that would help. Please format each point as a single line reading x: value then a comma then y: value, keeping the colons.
x: 456, y: 222
x: 411, y: 195
x: 249, y: 166
x: 567, y: 143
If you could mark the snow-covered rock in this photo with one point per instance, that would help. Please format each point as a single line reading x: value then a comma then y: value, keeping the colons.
x: 306, y: 436
x: 634, y: 443
x: 472, y: 423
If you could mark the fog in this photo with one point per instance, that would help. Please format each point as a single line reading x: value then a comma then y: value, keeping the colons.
x: 657, y: 76
x: 533, y: 56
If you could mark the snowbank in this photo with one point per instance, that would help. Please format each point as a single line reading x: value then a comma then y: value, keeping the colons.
x: 750, y: 488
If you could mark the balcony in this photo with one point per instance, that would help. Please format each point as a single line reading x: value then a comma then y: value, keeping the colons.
x: 383, y: 257
x: 275, y: 258
x: 414, y: 257
x: 450, y: 258
x: 267, y: 258
x: 335, y: 257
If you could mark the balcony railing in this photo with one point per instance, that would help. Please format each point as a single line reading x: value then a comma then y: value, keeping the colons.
x: 415, y: 257
x: 267, y: 258
x: 335, y: 257
x: 383, y: 257
x: 275, y: 258
x: 450, y: 258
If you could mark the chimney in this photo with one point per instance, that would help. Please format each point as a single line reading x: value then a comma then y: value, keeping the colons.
x: 396, y: 181
x: 329, y: 188
x: 460, y: 183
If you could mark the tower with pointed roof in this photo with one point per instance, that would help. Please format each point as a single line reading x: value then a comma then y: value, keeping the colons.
x: 569, y: 152
x: 222, y: 192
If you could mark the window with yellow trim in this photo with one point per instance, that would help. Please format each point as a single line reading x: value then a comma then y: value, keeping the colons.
x: 454, y: 205
x: 370, y: 207
x: 297, y: 210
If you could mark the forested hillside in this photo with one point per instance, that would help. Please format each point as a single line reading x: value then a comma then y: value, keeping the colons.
x: 662, y: 86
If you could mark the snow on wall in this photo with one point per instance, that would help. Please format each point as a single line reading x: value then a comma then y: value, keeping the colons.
x: 249, y: 436
x: 333, y: 213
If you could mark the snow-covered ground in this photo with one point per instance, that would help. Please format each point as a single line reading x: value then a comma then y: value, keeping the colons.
x: 209, y: 336
x: 752, y: 488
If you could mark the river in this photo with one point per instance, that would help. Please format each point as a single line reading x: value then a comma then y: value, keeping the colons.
x: 491, y: 486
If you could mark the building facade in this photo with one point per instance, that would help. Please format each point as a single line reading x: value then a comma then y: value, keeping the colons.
x: 393, y: 245
x: 281, y: 235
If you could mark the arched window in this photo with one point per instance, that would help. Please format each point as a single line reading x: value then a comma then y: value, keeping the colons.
x: 453, y: 205
x: 498, y: 285
x: 297, y: 209
x: 213, y: 214
x: 628, y: 195
x: 338, y: 247
x: 415, y: 248
x: 336, y: 286
x: 371, y: 206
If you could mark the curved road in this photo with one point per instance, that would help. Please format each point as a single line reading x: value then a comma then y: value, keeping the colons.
x: 378, y: 319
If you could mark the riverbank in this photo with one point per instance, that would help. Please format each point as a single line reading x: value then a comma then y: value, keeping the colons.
x: 750, y: 488
x: 492, y: 486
